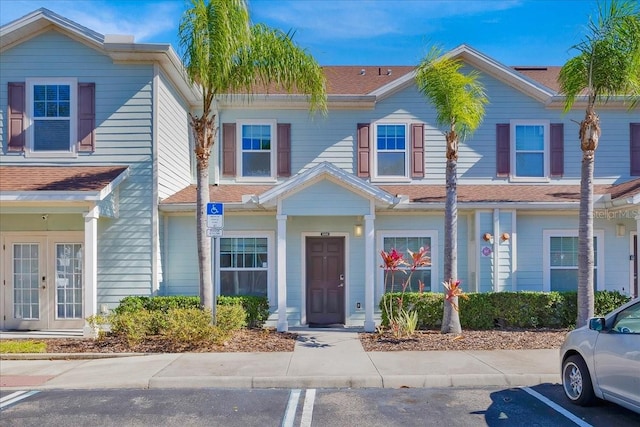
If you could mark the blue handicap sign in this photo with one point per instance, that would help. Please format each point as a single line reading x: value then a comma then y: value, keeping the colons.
x: 215, y: 208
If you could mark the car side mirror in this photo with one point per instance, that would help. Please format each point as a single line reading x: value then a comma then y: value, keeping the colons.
x: 596, y: 323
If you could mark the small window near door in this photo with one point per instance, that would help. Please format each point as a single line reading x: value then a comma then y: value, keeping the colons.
x: 243, y: 266
x: 394, y: 281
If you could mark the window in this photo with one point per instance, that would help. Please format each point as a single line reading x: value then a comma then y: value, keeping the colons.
x: 391, y: 150
x: 243, y: 266
x: 562, y: 262
x: 530, y: 142
x: 51, y: 109
x: 392, y: 282
x: 257, y: 153
x: 69, y: 281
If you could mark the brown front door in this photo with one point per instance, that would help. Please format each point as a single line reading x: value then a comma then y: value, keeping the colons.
x: 325, y: 280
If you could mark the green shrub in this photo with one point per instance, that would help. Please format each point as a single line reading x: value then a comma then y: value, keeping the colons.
x: 231, y: 317
x: 188, y: 325
x: 504, y: 309
x: 256, y: 308
x: 157, y: 303
x: 135, y: 326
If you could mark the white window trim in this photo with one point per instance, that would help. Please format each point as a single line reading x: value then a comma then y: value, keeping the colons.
x: 547, y: 148
x: 73, y: 116
x: 271, y: 256
x: 546, y: 254
x: 434, y: 250
x: 407, y: 153
x: 273, y: 154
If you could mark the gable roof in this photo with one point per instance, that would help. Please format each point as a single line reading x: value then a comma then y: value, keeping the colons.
x: 326, y: 170
x: 118, y: 47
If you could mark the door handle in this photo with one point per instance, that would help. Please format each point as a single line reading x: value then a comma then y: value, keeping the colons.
x: 341, y: 285
x: 44, y: 282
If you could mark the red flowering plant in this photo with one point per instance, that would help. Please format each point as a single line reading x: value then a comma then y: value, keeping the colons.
x: 402, y: 321
x: 453, y: 291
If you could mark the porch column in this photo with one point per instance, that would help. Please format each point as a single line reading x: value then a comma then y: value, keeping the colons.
x: 281, y: 253
x: 369, y: 275
x: 90, y: 276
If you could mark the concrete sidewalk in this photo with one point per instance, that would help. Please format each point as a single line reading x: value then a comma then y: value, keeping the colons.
x: 321, y: 359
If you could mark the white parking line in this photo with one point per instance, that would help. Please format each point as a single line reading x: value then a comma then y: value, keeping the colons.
x: 307, y: 408
x: 557, y: 407
x: 12, y: 398
x: 292, y: 407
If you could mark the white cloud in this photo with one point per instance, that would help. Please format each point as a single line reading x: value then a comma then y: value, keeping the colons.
x: 145, y: 20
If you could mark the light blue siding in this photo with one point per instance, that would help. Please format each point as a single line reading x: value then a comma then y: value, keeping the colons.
x: 174, y: 150
x: 124, y: 103
x: 325, y: 197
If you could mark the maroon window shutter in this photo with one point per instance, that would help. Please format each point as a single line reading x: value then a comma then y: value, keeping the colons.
x: 417, y: 150
x: 364, y: 147
x: 557, y: 149
x: 634, y: 144
x: 284, y: 149
x: 503, y: 150
x: 229, y: 149
x: 16, y: 117
x: 86, y: 116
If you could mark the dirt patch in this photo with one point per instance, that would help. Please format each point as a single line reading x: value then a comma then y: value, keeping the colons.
x: 511, y: 339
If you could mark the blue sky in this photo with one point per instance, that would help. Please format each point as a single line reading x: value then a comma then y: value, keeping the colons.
x: 361, y: 32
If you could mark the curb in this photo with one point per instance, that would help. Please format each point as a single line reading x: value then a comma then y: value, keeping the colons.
x: 67, y: 356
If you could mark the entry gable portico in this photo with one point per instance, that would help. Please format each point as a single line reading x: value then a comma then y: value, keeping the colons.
x: 325, y: 190
x: 332, y: 173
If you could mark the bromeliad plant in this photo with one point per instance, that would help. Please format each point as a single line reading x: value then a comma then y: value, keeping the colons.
x: 402, y: 321
x: 453, y: 291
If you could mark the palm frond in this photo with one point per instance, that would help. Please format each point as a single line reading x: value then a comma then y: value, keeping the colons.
x: 608, y: 60
x: 459, y: 99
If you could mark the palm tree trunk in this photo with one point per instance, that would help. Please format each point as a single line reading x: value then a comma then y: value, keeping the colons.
x: 589, y: 137
x: 203, y: 134
x: 451, y: 317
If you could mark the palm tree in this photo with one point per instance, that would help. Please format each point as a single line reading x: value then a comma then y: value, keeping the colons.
x: 459, y: 100
x: 607, y: 67
x: 223, y: 54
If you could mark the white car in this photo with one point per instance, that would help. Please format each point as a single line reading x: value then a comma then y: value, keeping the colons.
x: 602, y: 360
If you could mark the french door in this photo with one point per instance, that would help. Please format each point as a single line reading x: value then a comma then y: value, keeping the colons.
x: 42, y: 281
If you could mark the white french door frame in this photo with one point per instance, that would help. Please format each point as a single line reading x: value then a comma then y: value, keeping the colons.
x: 49, y: 285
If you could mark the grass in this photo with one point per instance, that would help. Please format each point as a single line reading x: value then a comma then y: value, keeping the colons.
x: 23, y: 346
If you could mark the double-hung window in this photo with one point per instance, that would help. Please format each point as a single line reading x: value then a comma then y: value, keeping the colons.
x: 257, y: 149
x: 391, y: 150
x: 413, y: 241
x: 244, y: 266
x: 561, y: 251
x: 530, y: 141
x: 51, y: 108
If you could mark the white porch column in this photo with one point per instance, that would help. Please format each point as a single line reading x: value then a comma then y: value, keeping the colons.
x: 369, y: 275
x: 281, y: 252
x: 90, y: 276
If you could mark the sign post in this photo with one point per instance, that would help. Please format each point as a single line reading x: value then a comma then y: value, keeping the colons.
x: 215, y: 224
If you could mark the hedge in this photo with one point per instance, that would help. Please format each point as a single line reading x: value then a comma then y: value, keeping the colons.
x: 257, y: 308
x: 504, y: 309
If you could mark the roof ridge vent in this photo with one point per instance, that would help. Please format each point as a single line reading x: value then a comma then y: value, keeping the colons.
x: 363, y: 72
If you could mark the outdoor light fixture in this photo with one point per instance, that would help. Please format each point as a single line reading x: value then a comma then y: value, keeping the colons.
x: 487, y: 237
x: 620, y: 230
x: 357, y: 231
x: 504, y: 237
